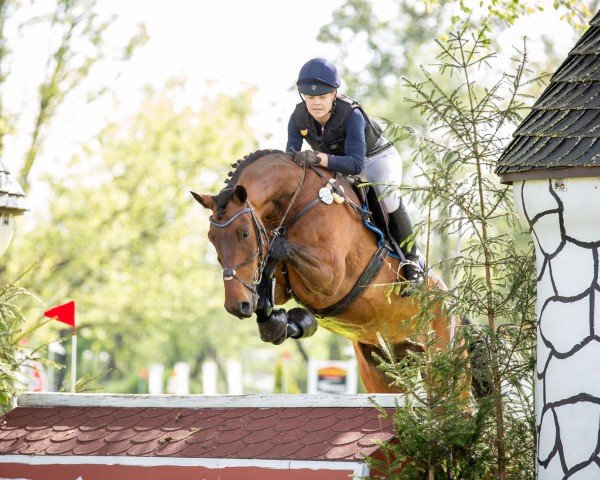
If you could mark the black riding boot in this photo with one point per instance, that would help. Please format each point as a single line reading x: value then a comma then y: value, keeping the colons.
x: 401, y: 229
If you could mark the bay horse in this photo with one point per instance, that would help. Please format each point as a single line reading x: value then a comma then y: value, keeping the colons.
x: 328, y: 249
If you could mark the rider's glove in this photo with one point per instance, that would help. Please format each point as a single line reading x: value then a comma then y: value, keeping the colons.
x: 307, y: 158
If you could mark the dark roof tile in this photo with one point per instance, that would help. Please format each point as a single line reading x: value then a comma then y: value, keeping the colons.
x: 569, y: 108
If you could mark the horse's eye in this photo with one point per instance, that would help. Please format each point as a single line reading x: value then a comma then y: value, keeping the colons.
x: 245, y: 234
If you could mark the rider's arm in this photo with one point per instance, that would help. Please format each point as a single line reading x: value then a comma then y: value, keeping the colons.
x: 295, y: 140
x: 355, y: 147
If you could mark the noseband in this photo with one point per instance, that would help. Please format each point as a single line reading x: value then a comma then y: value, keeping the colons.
x: 229, y: 273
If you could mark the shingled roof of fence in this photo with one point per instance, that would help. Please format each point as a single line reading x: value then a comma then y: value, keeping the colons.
x: 563, y: 127
x: 330, y: 434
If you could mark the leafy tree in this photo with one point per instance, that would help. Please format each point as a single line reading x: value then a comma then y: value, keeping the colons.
x: 13, y: 357
x: 496, y: 281
x: 77, y: 41
x: 123, y: 238
x: 396, y: 35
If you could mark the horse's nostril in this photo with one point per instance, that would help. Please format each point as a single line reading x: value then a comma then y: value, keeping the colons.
x: 245, y: 308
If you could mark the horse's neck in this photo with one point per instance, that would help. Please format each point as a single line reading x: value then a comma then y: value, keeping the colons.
x: 274, y: 199
x: 329, y: 247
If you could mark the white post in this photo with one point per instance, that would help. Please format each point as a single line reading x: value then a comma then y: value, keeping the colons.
x: 235, y: 385
x: 564, y: 215
x: 155, y: 378
x: 73, y: 360
x: 209, y: 378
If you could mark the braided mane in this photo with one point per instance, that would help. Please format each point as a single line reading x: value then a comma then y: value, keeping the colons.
x: 225, y: 194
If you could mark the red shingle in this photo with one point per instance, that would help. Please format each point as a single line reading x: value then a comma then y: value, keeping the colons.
x: 306, y: 433
x: 255, y: 450
x: 21, y: 412
x: 261, y: 436
x: 344, y: 438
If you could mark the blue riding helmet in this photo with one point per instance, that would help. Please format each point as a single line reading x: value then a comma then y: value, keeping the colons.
x: 317, y: 77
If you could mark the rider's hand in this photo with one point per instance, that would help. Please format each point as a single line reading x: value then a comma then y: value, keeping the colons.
x: 307, y: 158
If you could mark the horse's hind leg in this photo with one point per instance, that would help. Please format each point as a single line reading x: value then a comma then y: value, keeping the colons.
x: 374, y: 380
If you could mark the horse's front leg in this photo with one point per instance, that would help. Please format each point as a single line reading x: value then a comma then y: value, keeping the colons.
x: 275, y: 325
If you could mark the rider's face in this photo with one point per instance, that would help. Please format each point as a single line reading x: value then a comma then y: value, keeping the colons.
x: 319, y: 106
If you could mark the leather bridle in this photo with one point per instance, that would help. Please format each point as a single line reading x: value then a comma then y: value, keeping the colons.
x: 230, y: 273
x: 264, y: 244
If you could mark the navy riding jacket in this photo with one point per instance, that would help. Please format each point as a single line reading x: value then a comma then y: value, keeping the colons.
x: 355, y: 146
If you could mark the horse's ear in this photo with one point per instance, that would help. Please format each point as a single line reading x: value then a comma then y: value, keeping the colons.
x: 240, y: 193
x: 207, y: 201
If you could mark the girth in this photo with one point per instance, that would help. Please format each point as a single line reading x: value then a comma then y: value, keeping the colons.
x: 365, y: 279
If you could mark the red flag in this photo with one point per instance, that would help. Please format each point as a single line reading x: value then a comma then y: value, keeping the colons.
x: 63, y: 313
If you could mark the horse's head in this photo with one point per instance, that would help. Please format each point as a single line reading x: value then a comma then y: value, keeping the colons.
x: 240, y: 242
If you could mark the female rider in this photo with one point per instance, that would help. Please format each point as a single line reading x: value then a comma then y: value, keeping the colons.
x: 345, y: 140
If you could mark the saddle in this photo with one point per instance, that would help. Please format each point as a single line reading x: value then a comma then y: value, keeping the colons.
x: 376, y: 217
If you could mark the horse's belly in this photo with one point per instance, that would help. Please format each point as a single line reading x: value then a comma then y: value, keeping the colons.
x: 365, y: 319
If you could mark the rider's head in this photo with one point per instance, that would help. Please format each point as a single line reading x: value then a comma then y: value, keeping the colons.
x: 318, y: 82
x: 317, y: 77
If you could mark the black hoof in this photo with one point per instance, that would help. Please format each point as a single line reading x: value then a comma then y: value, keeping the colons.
x: 305, y: 323
x: 274, y: 328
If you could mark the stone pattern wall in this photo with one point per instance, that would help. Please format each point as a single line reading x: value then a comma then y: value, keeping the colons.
x: 564, y: 216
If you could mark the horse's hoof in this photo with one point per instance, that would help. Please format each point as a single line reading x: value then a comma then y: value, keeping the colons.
x: 274, y: 327
x: 304, y: 320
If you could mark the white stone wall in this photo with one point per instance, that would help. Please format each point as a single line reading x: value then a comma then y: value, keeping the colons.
x: 564, y: 216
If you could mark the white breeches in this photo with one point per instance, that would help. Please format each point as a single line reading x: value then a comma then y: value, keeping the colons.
x: 385, y: 171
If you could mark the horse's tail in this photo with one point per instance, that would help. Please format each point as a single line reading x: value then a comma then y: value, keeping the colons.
x: 479, y: 356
